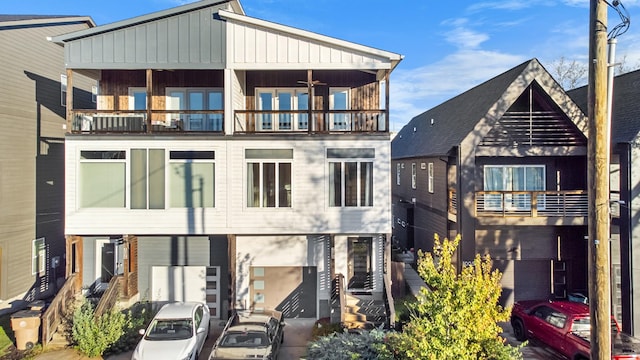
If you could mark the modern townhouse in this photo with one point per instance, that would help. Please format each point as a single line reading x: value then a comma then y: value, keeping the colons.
x: 230, y: 160
x: 503, y: 165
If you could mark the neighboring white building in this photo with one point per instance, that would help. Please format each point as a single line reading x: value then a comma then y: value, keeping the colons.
x: 208, y: 171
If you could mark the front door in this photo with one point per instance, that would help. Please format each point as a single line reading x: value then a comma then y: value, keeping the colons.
x: 360, y: 264
x: 108, y: 262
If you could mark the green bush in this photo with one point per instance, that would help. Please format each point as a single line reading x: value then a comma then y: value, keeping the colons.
x: 324, y: 327
x: 456, y: 318
x: 93, y: 336
x: 139, y: 315
x: 363, y: 344
x: 402, y: 307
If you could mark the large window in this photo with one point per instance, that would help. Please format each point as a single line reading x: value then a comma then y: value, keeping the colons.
x: 350, y: 177
x: 147, y: 179
x: 191, y: 179
x: 283, y: 103
x: 102, y: 179
x: 513, y: 178
x: 269, y: 177
x: 199, y: 99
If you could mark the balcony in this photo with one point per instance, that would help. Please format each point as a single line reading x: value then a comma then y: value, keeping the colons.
x: 549, y: 204
x: 136, y: 121
x: 297, y: 121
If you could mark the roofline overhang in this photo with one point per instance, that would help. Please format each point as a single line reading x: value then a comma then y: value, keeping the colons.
x: 61, y: 39
x: 394, y: 58
x: 52, y: 20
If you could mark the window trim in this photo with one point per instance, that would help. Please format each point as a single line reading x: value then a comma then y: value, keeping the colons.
x: 414, y: 175
x: 398, y: 167
x: 169, y: 161
x: 172, y: 120
x: 277, y: 160
x: 360, y: 157
x: 38, y: 256
x: 275, y: 92
x: 127, y: 175
x: 431, y: 175
x: 63, y: 90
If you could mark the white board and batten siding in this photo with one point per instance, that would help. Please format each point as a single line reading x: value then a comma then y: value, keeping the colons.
x: 309, y: 214
x: 258, y: 44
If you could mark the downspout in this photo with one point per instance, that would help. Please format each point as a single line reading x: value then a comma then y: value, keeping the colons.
x: 626, y: 248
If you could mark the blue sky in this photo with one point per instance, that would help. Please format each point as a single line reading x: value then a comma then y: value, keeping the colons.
x: 448, y: 46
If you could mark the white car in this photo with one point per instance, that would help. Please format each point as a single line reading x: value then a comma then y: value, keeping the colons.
x: 178, y: 331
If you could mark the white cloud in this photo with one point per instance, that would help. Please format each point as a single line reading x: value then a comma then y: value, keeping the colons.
x: 414, y: 91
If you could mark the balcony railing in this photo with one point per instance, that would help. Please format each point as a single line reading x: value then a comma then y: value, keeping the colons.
x: 452, y: 199
x: 301, y: 121
x: 135, y: 121
x: 532, y: 203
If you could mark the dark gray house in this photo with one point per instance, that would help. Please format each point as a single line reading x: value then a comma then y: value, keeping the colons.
x: 32, y: 113
x: 503, y: 165
x: 625, y: 196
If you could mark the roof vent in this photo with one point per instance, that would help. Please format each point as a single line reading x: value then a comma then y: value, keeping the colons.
x: 432, y: 122
x: 414, y: 129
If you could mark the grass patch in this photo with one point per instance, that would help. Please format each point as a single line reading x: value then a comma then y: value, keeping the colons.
x: 7, y: 337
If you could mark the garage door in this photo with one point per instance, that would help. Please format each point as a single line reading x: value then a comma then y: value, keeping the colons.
x: 178, y: 283
x: 291, y: 290
x: 532, y: 279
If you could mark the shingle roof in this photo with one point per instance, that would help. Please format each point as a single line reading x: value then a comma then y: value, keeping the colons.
x: 439, y: 130
x: 625, y: 122
x: 452, y: 120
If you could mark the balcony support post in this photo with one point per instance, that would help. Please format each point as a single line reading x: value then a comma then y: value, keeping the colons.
x: 310, y: 121
x: 69, y: 100
x: 149, y: 98
x: 386, y: 101
x: 534, y: 204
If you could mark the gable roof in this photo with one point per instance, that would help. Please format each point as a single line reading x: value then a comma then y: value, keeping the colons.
x: 475, y: 111
x: 625, y: 116
x: 146, y: 19
x: 14, y: 20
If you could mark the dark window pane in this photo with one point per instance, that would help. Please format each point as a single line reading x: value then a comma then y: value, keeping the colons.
x: 351, y: 184
x: 269, y: 185
x: 366, y: 184
x: 335, y: 184
x: 284, y: 179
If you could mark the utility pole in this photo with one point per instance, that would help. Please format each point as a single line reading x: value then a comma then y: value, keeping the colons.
x: 598, y: 184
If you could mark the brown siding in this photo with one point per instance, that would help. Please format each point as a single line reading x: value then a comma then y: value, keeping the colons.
x: 31, y: 151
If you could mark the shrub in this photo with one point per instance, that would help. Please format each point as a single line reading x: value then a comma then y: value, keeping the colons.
x: 93, y: 336
x: 363, y: 344
x: 139, y: 315
x: 456, y: 318
x: 324, y: 327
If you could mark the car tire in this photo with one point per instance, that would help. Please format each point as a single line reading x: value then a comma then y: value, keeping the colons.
x: 518, y: 330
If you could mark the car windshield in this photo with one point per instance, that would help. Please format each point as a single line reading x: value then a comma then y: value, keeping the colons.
x: 584, y: 325
x: 170, y: 329
x: 244, y: 339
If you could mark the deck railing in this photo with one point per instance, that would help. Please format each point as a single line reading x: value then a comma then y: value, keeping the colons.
x: 304, y: 121
x: 135, y: 121
x: 532, y: 203
x: 338, y: 299
x: 52, y: 317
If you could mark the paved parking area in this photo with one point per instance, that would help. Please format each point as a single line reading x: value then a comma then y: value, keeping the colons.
x: 529, y: 352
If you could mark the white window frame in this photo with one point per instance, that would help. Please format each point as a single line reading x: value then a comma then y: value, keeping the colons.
x: 38, y: 256
x: 414, y: 175
x: 127, y: 177
x: 63, y: 90
x: 359, y: 160
x: 168, y: 186
x: 94, y: 92
x: 430, y: 171
x: 261, y: 161
x: 507, y: 185
x: 294, y: 92
x: 398, y: 167
x: 343, y: 125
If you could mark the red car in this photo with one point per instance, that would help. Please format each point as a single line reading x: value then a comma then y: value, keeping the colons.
x: 564, y: 327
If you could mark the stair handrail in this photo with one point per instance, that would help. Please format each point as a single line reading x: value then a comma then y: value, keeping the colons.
x: 52, y: 317
x: 110, y: 296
